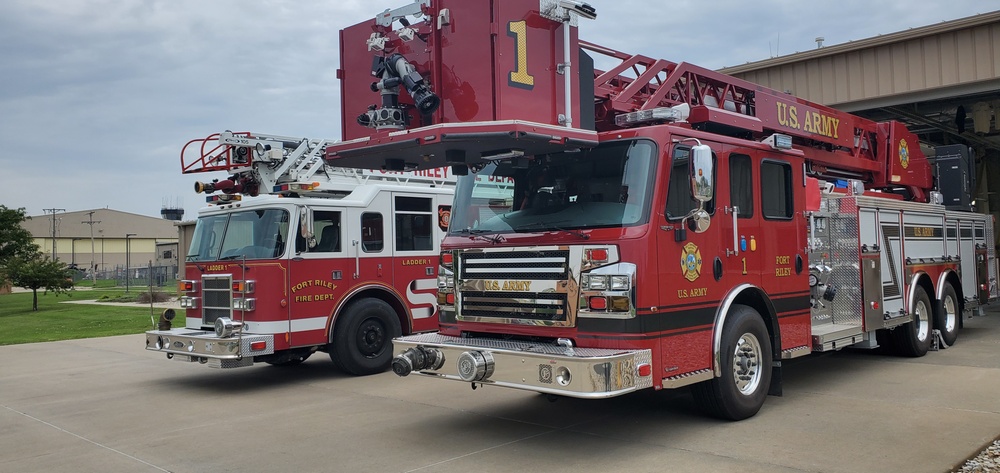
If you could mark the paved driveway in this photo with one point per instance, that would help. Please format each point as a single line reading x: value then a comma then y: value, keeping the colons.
x: 106, y: 405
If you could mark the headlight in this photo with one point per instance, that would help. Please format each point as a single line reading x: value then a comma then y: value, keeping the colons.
x: 619, y: 283
x: 244, y: 304
x: 598, y: 282
x: 189, y: 302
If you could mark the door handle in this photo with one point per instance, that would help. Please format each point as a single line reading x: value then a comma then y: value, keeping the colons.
x: 736, y: 231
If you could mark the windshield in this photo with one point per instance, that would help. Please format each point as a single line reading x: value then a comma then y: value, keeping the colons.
x: 253, y: 234
x: 608, y: 186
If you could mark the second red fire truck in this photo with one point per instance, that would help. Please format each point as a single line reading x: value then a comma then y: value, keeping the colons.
x: 650, y: 225
x: 314, y: 259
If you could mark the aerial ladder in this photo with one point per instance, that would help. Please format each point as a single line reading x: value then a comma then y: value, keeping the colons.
x: 280, y: 165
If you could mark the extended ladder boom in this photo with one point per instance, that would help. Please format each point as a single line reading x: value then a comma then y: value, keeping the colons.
x: 273, y: 164
x: 835, y: 143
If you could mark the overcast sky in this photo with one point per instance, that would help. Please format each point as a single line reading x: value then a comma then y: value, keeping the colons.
x: 97, y: 97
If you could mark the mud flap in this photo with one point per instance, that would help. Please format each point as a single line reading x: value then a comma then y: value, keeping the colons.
x: 775, y: 388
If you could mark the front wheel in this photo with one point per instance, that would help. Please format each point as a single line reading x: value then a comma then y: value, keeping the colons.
x: 746, y: 368
x: 946, y: 315
x: 362, y: 338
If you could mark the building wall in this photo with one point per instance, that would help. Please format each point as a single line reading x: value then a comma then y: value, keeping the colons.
x: 951, y: 58
x: 74, y: 233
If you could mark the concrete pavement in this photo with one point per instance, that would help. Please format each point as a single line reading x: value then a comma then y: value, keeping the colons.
x: 107, y: 405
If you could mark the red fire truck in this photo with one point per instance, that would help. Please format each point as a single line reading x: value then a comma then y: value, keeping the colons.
x: 651, y: 224
x: 315, y: 259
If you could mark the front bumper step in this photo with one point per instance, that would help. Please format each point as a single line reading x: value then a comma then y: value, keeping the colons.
x: 205, y: 347
x: 547, y: 368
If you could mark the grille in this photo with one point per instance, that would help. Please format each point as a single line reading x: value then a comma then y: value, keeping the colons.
x: 478, y: 270
x: 536, y: 265
x: 217, y: 299
x: 545, y: 306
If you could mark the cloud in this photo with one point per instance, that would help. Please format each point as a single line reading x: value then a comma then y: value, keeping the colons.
x: 98, y: 97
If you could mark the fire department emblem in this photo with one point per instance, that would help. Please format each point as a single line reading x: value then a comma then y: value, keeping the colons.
x: 904, y: 154
x: 691, y: 262
x: 444, y: 217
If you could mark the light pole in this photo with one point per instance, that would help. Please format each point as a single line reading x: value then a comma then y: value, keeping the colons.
x: 127, y: 256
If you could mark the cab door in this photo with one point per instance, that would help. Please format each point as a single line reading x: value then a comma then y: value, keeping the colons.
x: 416, y: 243
x: 739, y: 219
x: 690, y: 265
x: 777, y: 236
x: 319, y: 274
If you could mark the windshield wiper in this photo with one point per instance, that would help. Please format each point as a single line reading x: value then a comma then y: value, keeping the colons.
x: 556, y: 227
x: 477, y: 234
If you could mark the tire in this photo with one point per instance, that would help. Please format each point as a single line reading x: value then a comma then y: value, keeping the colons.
x: 746, y: 368
x: 947, y: 315
x: 914, y: 338
x: 362, y: 338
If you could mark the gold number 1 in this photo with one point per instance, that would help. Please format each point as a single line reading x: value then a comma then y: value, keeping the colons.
x: 519, y: 77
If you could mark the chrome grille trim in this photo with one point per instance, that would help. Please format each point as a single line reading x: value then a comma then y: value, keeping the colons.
x: 517, y: 286
x: 532, y: 264
x: 217, y: 298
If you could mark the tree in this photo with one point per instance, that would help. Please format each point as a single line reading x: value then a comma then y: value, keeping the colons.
x: 36, y: 272
x: 15, y: 241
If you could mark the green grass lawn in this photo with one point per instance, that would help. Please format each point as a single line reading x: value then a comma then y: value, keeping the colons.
x: 57, y: 321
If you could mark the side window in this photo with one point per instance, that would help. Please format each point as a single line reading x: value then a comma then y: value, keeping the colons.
x: 371, y: 232
x: 776, y: 190
x: 326, y: 225
x: 741, y: 184
x: 679, y: 200
x: 414, y: 224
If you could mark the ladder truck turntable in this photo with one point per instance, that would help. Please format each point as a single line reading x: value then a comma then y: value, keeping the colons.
x: 316, y: 258
x: 679, y: 228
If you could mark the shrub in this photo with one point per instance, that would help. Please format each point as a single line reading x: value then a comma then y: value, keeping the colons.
x: 146, y: 297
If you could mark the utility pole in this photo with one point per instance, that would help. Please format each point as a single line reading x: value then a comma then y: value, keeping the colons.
x: 93, y: 267
x: 127, y: 257
x: 53, y: 212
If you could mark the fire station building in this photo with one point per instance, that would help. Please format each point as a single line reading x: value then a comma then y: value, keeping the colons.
x: 941, y: 80
x: 106, y: 240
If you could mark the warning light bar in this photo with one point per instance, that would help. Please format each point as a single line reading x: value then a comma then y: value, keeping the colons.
x: 223, y: 198
x: 778, y: 141
x: 296, y: 186
x: 677, y: 113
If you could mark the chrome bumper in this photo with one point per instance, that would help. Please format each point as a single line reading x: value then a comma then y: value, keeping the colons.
x: 547, y: 368
x: 206, y: 347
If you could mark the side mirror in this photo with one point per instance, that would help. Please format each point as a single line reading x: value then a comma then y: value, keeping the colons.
x: 306, y: 227
x: 700, y: 221
x: 702, y: 172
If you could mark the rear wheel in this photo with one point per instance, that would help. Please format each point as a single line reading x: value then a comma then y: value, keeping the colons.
x: 946, y: 315
x: 746, y: 368
x: 914, y: 338
x: 362, y: 338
